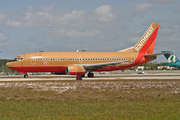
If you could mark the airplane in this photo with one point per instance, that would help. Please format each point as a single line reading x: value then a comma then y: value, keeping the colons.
x: 172, y: 59
x: 80, y: 63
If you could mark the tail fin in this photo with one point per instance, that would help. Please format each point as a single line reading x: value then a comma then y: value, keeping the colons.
x: 170, y: 57
x: 147, y: 42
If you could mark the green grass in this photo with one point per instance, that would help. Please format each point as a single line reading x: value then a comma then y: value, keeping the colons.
x: 90, y: 109
x: 90, y: 100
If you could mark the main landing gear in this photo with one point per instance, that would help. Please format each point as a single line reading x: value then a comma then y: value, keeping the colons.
x: 79, y: 77
x: 90, y: 74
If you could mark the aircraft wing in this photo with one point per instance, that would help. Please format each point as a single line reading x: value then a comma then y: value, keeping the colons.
x: 156, y: 54
x: 102, y: 65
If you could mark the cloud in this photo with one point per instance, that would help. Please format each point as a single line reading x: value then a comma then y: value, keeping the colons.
x: 46, y: 17
x: 3, y: 17
x: 75, y: 33
x: 13, y: 23
x: 177, y: 10
x: 86, y: 34
x: 141, y: 9
x: 103, y: 13
x: 162, y: 1
x: 135, y: 39
x: 2, y: 37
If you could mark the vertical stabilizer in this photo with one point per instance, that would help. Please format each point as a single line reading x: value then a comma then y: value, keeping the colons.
x: 147, y: 41
x: 170, y: 57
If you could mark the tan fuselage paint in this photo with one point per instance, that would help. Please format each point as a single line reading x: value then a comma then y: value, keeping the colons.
x: 61, y: 58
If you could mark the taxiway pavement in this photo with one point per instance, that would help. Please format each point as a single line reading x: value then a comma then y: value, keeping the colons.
x: 108, y: 76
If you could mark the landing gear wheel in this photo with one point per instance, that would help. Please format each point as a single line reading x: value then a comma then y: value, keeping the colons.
x: 26, y: 75
x: 90, y: 75
x: 83, y: 75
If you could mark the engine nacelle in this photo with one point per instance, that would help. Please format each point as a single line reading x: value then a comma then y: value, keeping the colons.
x: 74, y: 70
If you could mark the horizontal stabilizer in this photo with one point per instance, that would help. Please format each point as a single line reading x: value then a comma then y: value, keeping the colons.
x: 156, y: 54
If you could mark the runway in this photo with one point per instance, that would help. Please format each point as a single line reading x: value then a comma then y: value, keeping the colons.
x: 149, y: 75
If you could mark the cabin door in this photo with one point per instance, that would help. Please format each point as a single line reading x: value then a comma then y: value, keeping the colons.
x: 33, y: 59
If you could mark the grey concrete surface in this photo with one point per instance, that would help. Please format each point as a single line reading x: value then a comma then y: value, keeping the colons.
x: 116, y: 75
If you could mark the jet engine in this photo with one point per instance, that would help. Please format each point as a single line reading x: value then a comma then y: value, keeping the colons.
x: 74, y: 70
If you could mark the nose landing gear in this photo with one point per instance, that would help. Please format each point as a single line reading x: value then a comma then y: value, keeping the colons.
x: 25, y: 75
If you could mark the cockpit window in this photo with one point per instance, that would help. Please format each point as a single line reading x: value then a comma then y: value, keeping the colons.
x: 18, y: 59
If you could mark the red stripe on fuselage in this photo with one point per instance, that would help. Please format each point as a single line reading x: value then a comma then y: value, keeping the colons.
x: 39, y: 68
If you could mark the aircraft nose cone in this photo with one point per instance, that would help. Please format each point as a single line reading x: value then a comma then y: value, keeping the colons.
x: 8, y: 64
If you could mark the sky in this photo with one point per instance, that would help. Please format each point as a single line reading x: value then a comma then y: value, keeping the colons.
x: 93, y: 25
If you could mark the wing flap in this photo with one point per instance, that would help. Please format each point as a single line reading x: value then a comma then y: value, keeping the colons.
x: 102, y: 65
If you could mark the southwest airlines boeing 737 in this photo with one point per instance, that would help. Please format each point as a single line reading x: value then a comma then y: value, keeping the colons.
x: 80, y: 63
